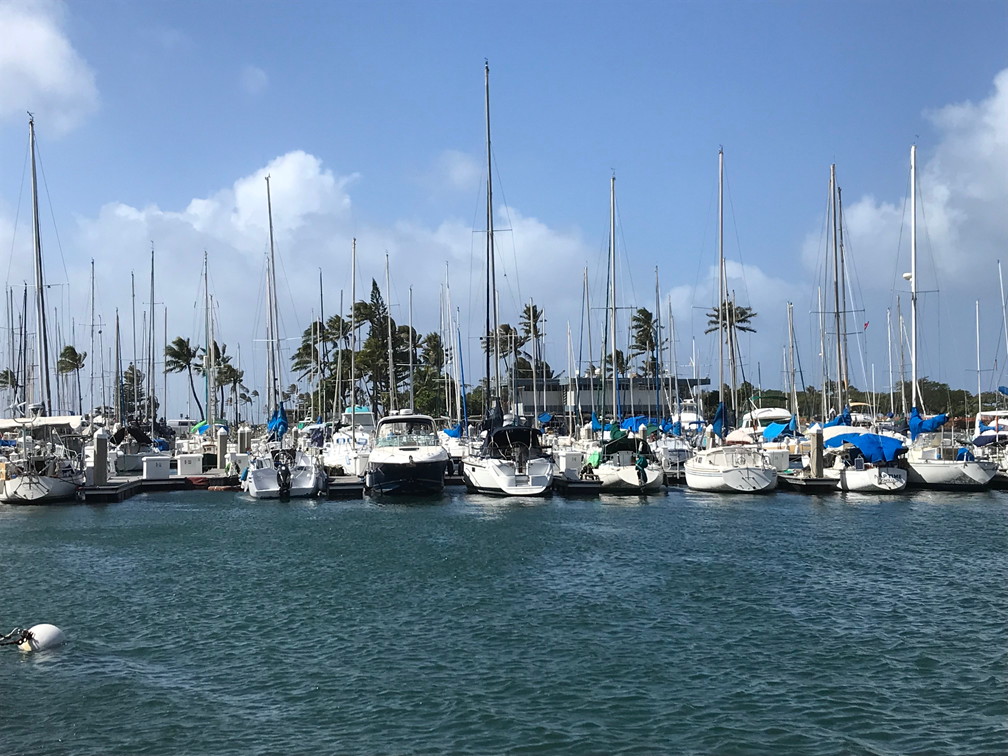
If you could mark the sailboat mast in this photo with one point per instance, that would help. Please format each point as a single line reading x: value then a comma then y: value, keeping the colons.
x: 208, y: 335
x: 412, y: 392
x: 151, y: 384
x: 913, y: 275
x: 612, y: 294
x: 91, y: 396
x: 41, y: 338
x: 118, y: 371
x: 272, y: 368
x: 979, y: 401
x: 353, y: 339
x: 721, y: 275
x: 834, y: 220
x: 491, y: 332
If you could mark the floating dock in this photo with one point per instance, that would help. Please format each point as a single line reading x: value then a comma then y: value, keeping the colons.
x: 122, y: 487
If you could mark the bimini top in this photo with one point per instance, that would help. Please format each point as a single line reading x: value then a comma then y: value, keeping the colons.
x: 500, y: 441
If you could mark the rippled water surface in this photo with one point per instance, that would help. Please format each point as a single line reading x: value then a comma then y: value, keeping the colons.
x: 207, y: 623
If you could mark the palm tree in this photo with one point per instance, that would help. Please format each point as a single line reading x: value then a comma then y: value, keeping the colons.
x: 644, y: 330
x: 734, y: 317
x: 72, y: 361
x: 181, y: 355
x: 229, y: 375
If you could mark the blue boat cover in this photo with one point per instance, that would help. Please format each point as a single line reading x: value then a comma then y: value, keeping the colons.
x: 920, y: 425
x: 277, y: 425
x: 984, y: 439
x: 455, y: 432
x: 596, y: 425
x: 719, y: 421
x: 1003, y: 390
x: 873, y: 447
x: 781, y: 430
x: 545, y: 417
x: 844, y: 418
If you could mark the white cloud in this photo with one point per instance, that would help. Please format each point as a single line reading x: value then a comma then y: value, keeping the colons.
x: 962, y: 197
x: 253, y: 80
x: 40, y: 70
x: 457, y: 170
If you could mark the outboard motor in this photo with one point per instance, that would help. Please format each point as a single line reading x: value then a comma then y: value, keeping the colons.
x: 283, y: 477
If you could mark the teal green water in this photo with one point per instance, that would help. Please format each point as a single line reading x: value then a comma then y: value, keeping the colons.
x: 207, y: 623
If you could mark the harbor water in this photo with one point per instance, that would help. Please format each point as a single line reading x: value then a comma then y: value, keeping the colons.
x: 209, y: 623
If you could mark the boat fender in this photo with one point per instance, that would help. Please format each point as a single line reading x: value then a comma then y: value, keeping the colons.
x: 36, y: 638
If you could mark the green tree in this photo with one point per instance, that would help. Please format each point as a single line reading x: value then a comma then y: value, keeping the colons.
x: 735, y: 317
x: 181, y: 355
x: 135, y: 400
x: 72, y: 361
x: 644, y: 339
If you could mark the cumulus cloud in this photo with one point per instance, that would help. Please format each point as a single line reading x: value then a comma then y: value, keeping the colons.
x: 962, y: 195
x: 40, y: 70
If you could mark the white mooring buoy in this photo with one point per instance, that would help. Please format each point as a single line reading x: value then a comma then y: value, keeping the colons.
x: 42, y: 637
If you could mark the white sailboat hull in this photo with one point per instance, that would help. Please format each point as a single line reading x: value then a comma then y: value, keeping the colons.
x: 884, y: 479
x: 39, y: 489
x: 500, y: 477
x: 728, y: 470
x: 961, y: 475
x: 624, y: 478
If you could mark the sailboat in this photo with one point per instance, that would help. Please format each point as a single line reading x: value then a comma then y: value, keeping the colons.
x: 42, y: 468
x: 625, y: 464
x: 346, y: 451
x: 932, y: 460
x: 742, y: 468
x: 277, y: 470
x: 509, y: 459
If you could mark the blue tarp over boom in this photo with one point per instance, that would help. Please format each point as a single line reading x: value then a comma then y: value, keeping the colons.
x: 781, y: 430
x: 718, y: 426
x: 919, y: 425
x: 455, y: 432
x: 844, y: 418
x: 277, y: 425
x: 873, y: 447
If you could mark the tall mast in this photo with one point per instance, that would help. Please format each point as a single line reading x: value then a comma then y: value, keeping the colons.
x: 91, y: 397
x: 979, y: 402
x: 491, y: 319
x: 412, y: 393
x: 272, y: 342
x: 118, y: 372
x: 657, y: 350
x: 892, y: 394
x: 721, y: 275
x: 133, y: 356
x: 612, y: 293
x: 837, y: 305
x: 208, y: 335
x: 913, y: 275
x: 151, y: 385
x: 353, y: 339
x: 41, y: 337
x: 791, y: 359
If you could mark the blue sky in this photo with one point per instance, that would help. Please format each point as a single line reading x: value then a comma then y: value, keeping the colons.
x: 156, y: 122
